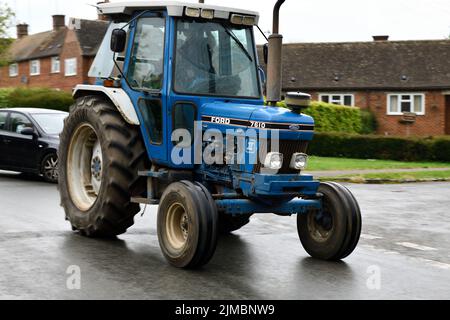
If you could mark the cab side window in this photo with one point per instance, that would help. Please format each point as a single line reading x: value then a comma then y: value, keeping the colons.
x: 184, y: 115
x: 18, y: 122
x: 151, y: 111
x: 3, y: 117
x: 147, y: 65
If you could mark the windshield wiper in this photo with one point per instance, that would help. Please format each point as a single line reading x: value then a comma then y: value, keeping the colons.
x: 238, y: 42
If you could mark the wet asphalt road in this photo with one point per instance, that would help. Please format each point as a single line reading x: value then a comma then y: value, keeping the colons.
x: 404, y: 253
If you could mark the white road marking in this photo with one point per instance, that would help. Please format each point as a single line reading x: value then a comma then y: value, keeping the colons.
x: 431, y: 263
x: 370, y: 237
x: 380, y: 250
x: 416, y: 246
x: 436, y: 264
x: 392, y: 252
x: 440, y: 265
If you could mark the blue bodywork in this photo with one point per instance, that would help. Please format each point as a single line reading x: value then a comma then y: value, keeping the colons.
x: 261, y: 190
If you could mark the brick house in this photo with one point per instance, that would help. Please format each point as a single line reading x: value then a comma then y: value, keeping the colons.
x: 59, y: 58
x: 387, y: 77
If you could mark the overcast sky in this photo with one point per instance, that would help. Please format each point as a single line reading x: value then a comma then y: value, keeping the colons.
x: 301, y: 20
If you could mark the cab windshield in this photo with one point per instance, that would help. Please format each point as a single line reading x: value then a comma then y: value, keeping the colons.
x: 216, y: 59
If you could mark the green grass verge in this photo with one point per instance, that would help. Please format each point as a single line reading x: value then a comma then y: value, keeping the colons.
x: 397, y: 176
x: 325, y: 164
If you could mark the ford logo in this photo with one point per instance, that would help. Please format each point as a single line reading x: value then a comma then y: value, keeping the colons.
x: 294, y: 127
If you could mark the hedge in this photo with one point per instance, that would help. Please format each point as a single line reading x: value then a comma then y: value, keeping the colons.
x: 4, y: 97
x: 368, y: 122
x: 329, y: 117
x: 335, y: 118
x: 44, y: 98
x: 380, y: 147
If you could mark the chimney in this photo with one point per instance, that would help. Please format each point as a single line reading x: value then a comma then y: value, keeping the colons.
x: 380, y: 38
x: 102, y: 17
x: 59, y: 21
x: 22, y: 30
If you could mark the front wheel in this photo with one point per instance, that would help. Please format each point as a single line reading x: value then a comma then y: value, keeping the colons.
x: 187, y: 224
x: 333, y: 232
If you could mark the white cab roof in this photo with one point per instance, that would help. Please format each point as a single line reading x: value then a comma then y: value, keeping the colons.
x: 174, y: 8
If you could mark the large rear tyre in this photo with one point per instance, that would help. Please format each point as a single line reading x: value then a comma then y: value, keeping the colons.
x: 229, y: 223
x: 99, y: 159
x: 333, y: 232
x: 187, y: 225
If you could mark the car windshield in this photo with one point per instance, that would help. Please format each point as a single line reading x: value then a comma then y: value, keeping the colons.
x: 51, y: 123
x: 215, y: 58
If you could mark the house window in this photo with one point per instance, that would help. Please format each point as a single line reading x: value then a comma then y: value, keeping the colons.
x: 13, y: 70
x: 70, y: 66
x: 341, y: 99
x: 56, y: 65
x: 35, y: 67
x: 406, y: 102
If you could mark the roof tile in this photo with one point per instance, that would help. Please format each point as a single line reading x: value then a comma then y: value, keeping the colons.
x: 367, y: 65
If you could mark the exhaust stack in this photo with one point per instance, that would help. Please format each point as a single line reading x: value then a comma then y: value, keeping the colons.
x: 274, y: 62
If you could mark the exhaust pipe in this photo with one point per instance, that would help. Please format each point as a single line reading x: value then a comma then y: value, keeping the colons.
x: 274, y: 70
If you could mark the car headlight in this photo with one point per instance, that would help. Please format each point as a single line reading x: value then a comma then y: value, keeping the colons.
x: 274, y: 161
x: 299, y: 161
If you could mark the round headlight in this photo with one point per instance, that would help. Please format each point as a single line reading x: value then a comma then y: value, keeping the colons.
x: 274, y: 161
x: 299, y: 161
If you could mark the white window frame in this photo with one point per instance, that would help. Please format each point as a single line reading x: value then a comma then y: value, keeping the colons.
x: 38, y: 67
x: 55, y: 61
x: 341, y: 98
x: 75, y: 65
x: 400, y: 100
x: 16, y: 72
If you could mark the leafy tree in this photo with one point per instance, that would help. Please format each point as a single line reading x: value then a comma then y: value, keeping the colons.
x: 6, y: 14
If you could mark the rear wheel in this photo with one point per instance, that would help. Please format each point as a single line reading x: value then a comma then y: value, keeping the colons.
x: 229, y: 223
x: 333, y: 232
x: 49, y: 168
x: 99, y: 158
x: 187, y: 225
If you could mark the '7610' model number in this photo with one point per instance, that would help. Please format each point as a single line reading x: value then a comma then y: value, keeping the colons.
x: 257, y: 124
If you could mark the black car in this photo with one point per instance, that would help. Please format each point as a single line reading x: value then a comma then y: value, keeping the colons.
x: 29, y: 140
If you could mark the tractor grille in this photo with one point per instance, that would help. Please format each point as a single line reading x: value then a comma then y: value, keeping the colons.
x: 287, y: 149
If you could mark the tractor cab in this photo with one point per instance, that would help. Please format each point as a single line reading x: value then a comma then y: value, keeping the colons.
x: 185, y: 63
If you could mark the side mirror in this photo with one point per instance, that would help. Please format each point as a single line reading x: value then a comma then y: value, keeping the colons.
x: 118, y: 40
x: 28, y: 132
x: 266, y: 53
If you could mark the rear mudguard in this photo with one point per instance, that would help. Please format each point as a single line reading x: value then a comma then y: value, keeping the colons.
x: 117, y: 96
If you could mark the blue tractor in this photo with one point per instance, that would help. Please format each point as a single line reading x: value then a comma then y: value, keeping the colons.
x: 177, y: 84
